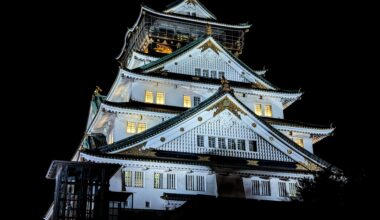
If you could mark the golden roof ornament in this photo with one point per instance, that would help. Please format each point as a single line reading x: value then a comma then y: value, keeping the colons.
x: 193, y: 2
x: 208, y: 29
x: 225, y: 84
x: 98, y: 90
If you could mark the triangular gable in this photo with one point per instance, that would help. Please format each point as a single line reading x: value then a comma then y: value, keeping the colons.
x: 207, y: 54
x: 222, y: 102
x: 190, y: 8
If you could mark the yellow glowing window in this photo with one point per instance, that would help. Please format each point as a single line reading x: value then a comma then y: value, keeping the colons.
x: 128, y: 178
x: 131, y: 127
x: 299, y: 141
x: 141, y: 127
x: 258, y: 109
x: 268, y: 110
x: 139, y: 179
x: 160, y: 98
x: 186, y: 101
x: 148, y: 96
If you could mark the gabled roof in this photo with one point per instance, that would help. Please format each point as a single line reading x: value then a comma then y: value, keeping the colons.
x: 171, y: 8
x: 294, y: 151
x: 201, y: 42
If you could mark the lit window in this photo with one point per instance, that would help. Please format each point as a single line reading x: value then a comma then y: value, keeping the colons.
x: 258, y: 110
x: 205, y: 73
x: 200, y: 141
x: 139, y: 179
x: 241, y: 145
x: 299, y: 141
x: 131, y: 127
x: 268, y: 110
x: 141, y: 127
x: 160, y: 98
x: 171, y: 181
x: 213, y: 74
x: 231, y: 144
x: 148, y: 96
x: 186, y: 101
x: 197, y: 100
x: 252, y: 146
x: 222, y: 143
x: 158, y: 180
x: 211, y: 142
x: 128, y: 178
x: 197, y: 72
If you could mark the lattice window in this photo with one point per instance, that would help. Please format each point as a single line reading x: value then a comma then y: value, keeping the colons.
x: 282, y: 189
x: 195, y: 183
x: 205, y: 73
x: 222, y: 74
x: 255, y: 187
x: 197, y: 100
x: 200, y: 141
x: 148, y: 96
x: 128, y: 178
x: 131, y: 127
x: 171, y: 181
x: 252, y: 146
x: 258, y: 110
x: 158, y: 180
x: 139, y: 179
x: 186, y: 101
x: 268, y: 110
x: 197, y: 71
x: 231, y: 144
x: 160, y: 98
x: 293, y: 189
x: 265, y: 188
x: 241, y: 145
x: 211, y: 142
x: 213, y: 74
x: 141, y: 127
x: 222, y: 143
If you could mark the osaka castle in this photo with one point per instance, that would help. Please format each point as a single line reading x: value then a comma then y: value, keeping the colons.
x: 185, y: 118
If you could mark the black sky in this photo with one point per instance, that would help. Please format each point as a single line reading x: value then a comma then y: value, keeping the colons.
x: 66, y: 49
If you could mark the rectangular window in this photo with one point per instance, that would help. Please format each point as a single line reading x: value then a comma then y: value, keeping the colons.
x: 211, y: 142
x: 231, y: 144
x: 160, y: 98
x: 282, y: 189
x: 171, y: 181
x: 205, y: 73
x: 197, y: 72
x: 252, y: 146
x: 141, y: 127
x: 131, y: 127
x: 241, y: 145
x: 139, y: 179
x: 158, y: 180
x: 128, y: 178
x: 213, y: 74
x: 148, y: 96
x: 258, y: 110
x: 255, y: 187
x: 195, y: 183
x: 186, y: 101
x: 265, y: 188
x: 147, y: 204
x: 200, y: 141
x: 293, y: 189
x: 197, y: 100
x: 222, y: 143
x: 222, y: 75
x: 299, y: 141
x: 268, y: 110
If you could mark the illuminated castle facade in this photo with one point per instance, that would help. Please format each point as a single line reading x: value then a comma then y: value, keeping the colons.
x: 185, y: 117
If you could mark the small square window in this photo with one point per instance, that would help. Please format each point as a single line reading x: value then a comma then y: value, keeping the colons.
x: 147, y: 204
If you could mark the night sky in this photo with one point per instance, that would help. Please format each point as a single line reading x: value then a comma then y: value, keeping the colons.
x: 67, y: 49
